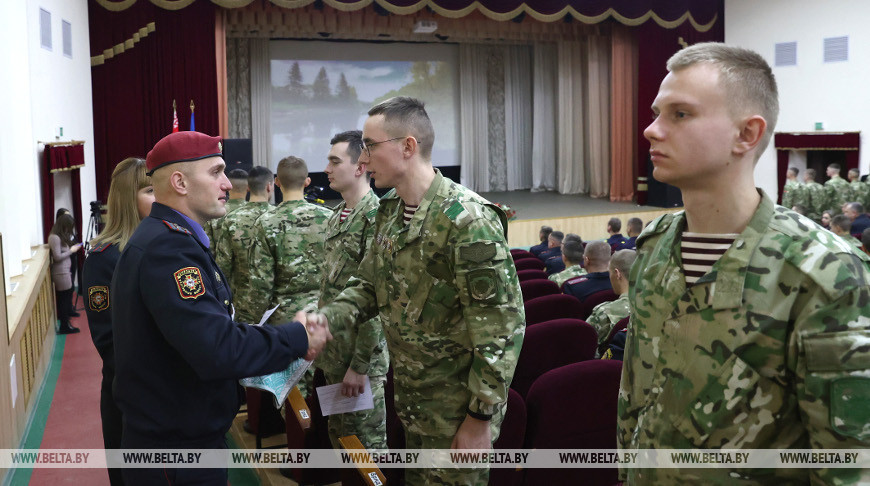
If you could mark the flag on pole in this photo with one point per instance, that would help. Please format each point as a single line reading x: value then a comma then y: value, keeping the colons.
x: 174, y: 118
x: 192, y: 124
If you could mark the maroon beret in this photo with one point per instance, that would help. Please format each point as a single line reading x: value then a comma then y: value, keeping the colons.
x: 182, y: 147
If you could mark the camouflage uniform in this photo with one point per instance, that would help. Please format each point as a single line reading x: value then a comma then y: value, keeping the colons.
x: 567, y: 274
x: 816, y: 200
x: 450, y: 302
x: 287, y: 256
x: 363, y: 348
x: 860, y: 192
x: 839, y: 193
x: 606, y: 314
x: 211, y: 227
x: 790, y: 193
x: 235, y: 236
x: 765, y: 351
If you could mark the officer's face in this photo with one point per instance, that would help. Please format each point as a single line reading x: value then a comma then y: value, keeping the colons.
x: 693, y: 134
x: 341, y: 171
x: 144, y: 199
x: 384, y: 159
x: 207, y: 188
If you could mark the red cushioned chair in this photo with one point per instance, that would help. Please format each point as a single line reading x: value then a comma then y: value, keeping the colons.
x: 622, y: 324
x: 551, y: 307
x: 512, y: 435
x: 590, y: 302
x: 538, y: 288
x: 517, y: 253
x: 529, y: 264
x: 524, y: 275
x: 574, y: 407
x: 549, y: 345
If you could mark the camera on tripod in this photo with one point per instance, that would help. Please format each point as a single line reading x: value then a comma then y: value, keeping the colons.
x: 95, y: 223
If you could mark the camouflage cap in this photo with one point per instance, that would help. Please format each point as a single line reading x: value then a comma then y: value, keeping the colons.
x: 182, y: 147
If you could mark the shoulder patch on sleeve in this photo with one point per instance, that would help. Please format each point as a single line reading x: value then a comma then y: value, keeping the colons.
x: 478, y: 252
x: 189, y: 282
x: 454, y: 210
x: 98, y: 298
x: 177, y: 227
x: 483, y: 285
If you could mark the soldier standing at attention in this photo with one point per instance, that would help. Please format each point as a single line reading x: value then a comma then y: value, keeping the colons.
x: 859, y: 191
x: 358, y: 350
x: 440, y: 274
x: 838, y: 189
x: 237, y: 230
x: 239, y: 180
x: 178, y: 354
x: 813, y: 196
x: 792, y: 187
x: 759, y: 346
x: 287, y: 251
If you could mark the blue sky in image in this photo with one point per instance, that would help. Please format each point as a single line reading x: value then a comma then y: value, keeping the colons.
x: 371, y: 79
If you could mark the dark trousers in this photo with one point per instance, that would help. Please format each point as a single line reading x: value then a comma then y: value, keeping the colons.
x: 174, y: 476
x: 111, y: 419
x: 63, y: 300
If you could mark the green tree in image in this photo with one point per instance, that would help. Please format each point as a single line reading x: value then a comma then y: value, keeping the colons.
x: 320, y: 88
x: 344, y: 92
x: 295, y: 87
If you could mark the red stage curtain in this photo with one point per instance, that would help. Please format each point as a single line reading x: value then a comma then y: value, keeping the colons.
x: 61, y: 158
x: 134, y: 89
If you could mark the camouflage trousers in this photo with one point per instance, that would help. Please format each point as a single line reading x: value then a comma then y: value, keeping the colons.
x: 370, y: 426
x: 440, y: 477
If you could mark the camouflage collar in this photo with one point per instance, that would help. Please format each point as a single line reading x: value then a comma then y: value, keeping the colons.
x: 415, y: 227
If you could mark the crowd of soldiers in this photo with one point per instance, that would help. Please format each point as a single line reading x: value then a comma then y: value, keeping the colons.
x: 812, y: 199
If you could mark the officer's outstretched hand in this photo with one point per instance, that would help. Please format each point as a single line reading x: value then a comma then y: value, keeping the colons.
x: 318, y: 333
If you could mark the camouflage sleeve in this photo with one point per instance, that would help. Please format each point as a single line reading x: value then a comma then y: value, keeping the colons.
x: 358, y: 301
x: 832, y: 371
x: 208, y: 227
x: 492, y: 308
x: 262, y: 273
x: 370, y: 334
x: 600, y: 321
x: 788, y: 197
x: 223, y: 249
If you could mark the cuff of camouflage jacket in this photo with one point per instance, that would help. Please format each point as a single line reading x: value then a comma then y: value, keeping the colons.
x: 360, y: 366
x: 480, y: 410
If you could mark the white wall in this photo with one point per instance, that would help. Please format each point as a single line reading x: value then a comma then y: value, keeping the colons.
x: 812, y: 91
x: 61, y: 97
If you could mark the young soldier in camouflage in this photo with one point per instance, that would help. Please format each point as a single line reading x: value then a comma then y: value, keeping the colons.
x: 572, y: 255
x: 858, y: 191
x: 766, y: 349
x: 287, y: 252
x: 239, y: 179
x: 837, y: 188
x: 606, y: 314
x: 360, y: 350
x: 236, y: 235
x: 792, y: 187
x: 813, y: 196
x: 440, y: 274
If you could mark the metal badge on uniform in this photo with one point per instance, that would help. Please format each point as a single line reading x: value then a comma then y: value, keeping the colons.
x: 189, y: 282
x: 98, y: 298
x: 217, y: 275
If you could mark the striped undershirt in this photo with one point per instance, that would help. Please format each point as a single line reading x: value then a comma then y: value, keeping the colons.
x: 409, y: 212
x: 344, y: 214
x: 700, y: 251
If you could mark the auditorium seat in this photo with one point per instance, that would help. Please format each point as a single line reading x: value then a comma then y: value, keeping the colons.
x: 574, y: 407
x: 264, y: 420
x: 517, y: 253
x: 308, y: 433
x: 524, y: 275
x: 549, y: 345
x: 536, y: 288
x: 512, y: 435
x: 529, y: 264
x: 622, y: 324
x: 551, y: 307
x: 590, y: 302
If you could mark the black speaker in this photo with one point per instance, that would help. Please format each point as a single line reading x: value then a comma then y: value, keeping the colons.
x: 238, y: 154
x: 661, y: 194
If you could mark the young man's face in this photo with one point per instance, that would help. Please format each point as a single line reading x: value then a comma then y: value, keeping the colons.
x: 693, y: 134
x: 340, y: 169
x: 553, y: 242
x: 386, y: 164
x: 207, y: 187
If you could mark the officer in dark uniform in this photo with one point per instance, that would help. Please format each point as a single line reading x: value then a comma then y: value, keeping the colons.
x: 178, y: 353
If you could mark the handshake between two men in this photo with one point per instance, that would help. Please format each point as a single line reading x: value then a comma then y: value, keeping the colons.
x: 318, y: 332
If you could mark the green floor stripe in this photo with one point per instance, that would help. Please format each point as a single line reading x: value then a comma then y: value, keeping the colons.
x: 36, y: 422
x: 241, y: 476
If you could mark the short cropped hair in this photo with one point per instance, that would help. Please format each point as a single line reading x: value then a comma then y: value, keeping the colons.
x: 598, y: 252
x: 258, y: 178
x: 292, y: 172
x: 546, y: 230
x: 800, y: 209
x: 407, y: 116
x: 354, y: 143
x: 238, y: 175
x: 794, y: 171
x: 842, y: 221
x: 855, y: 171
x: 572, y: 250
x: 811, y: 173
x: 557, y: 235
x: 635, y: 225
x: 572, y: 237
x: 834, y: 166
x: 615, y: 224
x: 622, y: 261
x: 748, y: 81
x: 856, y: 206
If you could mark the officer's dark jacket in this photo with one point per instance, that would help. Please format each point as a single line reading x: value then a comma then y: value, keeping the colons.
x: 177, y: 352
x: 586, y: 285
x: 96, y: 277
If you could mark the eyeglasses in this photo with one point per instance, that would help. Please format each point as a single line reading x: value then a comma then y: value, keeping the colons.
x: 367, y: 147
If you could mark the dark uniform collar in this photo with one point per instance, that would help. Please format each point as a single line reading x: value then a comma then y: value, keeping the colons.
x: 166, y: 213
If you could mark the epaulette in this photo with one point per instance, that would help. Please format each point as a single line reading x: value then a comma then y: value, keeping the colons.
x: 177, y: 227
x: 656, y: 226
x: 101, y: 248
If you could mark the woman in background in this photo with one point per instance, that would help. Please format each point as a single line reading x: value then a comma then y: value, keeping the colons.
x: 130, y: 198
x: 63, y: 246
x: 826, y: 218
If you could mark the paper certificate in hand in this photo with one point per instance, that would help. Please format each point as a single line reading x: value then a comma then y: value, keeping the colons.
x: 279, y: 383
x: 333, y: 402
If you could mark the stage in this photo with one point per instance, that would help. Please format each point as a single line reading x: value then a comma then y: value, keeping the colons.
x: 574, y: 213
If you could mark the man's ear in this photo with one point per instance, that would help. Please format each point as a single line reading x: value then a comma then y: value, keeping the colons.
x: 410, y: 147
x: 307, y: 182
x: 751, y: 132
x: 178, y: 182
x: 360, y: 169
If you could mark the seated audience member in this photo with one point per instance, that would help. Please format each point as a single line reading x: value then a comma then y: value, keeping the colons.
x: 841, y: 225
x: 606, y: 314
x: 826, y: 218
x: 617, y: 346
x: 633, y: 228
x: 544, y: 235
x: 555, y: 264
x: 800, y: 209
x: 554, y: 246
x: 860, y: 221
x: 596, y: 259
x: 616, y: 240
x: 865, y: 241
x: 572, y: 257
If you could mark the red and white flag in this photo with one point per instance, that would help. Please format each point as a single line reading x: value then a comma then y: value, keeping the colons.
x: 174, y: 118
